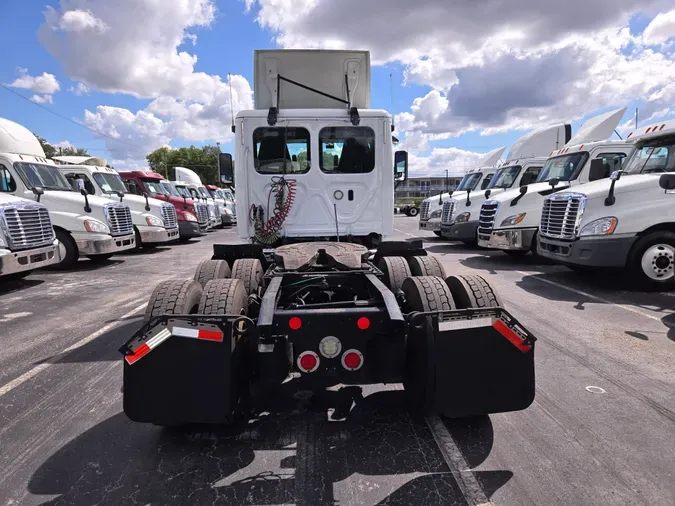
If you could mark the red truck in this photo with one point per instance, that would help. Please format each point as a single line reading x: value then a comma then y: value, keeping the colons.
x: 149, y: 183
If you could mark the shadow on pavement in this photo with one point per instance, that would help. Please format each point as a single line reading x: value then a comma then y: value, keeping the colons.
x: 18, y: 284
x: 289, y: 454
x: 669, y: 321
x: 453, y: 248
x: 146, y: 251
x: 496, y: 261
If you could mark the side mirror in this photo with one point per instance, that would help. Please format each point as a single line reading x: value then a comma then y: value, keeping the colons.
x: 226, y: 168
x: 147, y: 204
x: 401, y: 166
x: 120, y: 195
x: 523, y: 189
x: 85, y: 194
x: 667, y: 182
x: 528, y: 178
x: 38, y: 191
x: 554, y: 182
x: 599, y: 169
x: 488, y: 193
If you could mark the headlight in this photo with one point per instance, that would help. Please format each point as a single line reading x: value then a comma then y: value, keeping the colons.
x: 603, y: 226
x: 463, y: 218
x: 96, y: 226
x: 436, y: 214
x: 513, y: 220
x: 190, y: 217
x: 154, y: 221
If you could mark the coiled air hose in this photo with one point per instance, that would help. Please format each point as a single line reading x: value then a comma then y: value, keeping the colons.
x: 283, y: 191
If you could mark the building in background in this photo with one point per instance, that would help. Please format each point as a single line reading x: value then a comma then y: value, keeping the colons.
x: 423, y: 187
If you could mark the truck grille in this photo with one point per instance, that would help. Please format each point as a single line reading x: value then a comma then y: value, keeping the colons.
x: 119, y: 218
x: 448, y: 214
x: 561, y: 214
x: 212, y: 211
x: 202, y: 211
x: 424, y: 211
x: 169, y: 216
x: 27, y: 225
x: 486, y: 222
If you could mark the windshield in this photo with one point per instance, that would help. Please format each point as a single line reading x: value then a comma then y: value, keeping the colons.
x: 227, y: 195
x: 653, y: 156
x: 470, y: 181
x: 563, y: 168
x: 154, y: 187
x: 170, y: 189
x: 505, y: 178
x: 45, y: 176
x: 110, y: 183
x: 204, y: 192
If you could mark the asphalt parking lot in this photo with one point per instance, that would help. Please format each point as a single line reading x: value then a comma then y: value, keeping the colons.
x: 601, y: 429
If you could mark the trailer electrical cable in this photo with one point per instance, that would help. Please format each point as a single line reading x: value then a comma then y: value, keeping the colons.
x: 283, y: 190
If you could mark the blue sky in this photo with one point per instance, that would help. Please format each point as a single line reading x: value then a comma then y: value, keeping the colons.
x: 457, y: 92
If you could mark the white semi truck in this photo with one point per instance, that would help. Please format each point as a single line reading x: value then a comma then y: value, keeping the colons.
x: 27, y: 240
x: 85, y: 225
x: 190, y: 180
x: 510, y: 221
x: 475, y: 180
x: 154, y: 222
x: 626, y: 221
x: 460, y: 214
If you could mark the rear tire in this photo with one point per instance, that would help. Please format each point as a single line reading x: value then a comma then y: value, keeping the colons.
x: 426, y: 266
x: 438, y: 234
x: 211, y: 269
x: 68, y: 250
x: 250, y: 271
x: 395, y: 270
x: 224, y: 297
x: 652, y: 261
x: 174, y: 296
x: 473, y: 292
x: 413, y: 211
x: 427, y: 293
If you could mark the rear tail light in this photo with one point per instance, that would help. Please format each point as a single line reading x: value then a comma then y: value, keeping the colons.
x: 295, y: 323
x: 308, y: 361
x: 352, y: 360
x: 363, y: 323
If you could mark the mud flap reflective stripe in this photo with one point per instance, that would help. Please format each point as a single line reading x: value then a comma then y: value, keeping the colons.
x: 509, y: 334
x: 498, y: 324
x: 164, y: 334
x: 207, y: 335
x: 146, y: 347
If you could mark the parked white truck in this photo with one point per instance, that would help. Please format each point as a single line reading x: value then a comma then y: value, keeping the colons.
x: 27, y: 240
x: 474, y: 180
x: 85, y: 225
x: 190, y: 180
x: 626, y: 221
x: 154, y: 222
x: 510, y: 221
x: 460, y: 215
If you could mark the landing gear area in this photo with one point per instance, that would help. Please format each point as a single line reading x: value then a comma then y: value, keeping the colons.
x: 324, y: 314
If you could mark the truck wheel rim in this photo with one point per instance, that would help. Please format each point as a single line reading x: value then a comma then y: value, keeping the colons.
x: 658, y: 262
x: 62, y: 251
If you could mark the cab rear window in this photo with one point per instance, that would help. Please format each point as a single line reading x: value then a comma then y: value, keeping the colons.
x: 347, y: 150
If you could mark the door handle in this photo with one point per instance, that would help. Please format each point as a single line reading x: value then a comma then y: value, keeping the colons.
x: 350, y: 195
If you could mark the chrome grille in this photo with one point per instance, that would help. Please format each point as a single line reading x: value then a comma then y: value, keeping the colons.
x: 119, y: 219
x: 27, y: 225
x: 561, y: 214
x: 169, y: 216
x: 448, y: 214
x: 486, y: 222
x: 424, y: 211
x: 202, y: 211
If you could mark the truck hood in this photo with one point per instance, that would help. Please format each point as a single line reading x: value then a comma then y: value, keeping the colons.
x: 6, y: 198
x: 637, y: 182
x: 533, y: 191
x: 445, y: 197
x: 72, y: 198
x: 477, y: 199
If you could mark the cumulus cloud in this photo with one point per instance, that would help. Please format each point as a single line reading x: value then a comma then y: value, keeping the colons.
x: 80, y: 21
x: 79, y: 89
x: 42, y: 99
x: 45, y: 83
x: 661, y: 28
x: 456, y: 161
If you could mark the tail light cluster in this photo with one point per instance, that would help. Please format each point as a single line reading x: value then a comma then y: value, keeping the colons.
x: 329, y: 347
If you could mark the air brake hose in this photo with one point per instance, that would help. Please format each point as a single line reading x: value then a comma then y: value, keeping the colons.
x: 283, y: 191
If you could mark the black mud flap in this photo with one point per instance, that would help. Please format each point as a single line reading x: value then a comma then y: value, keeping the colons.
x: 481, y: 361
x: 186, y: 369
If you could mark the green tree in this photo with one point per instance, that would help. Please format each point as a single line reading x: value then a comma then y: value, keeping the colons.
x: 46, y: 147
x: 72, y: 152
x: 204, y: 161
x: 51, y: 151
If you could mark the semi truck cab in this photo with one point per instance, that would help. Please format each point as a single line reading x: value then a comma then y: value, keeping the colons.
x: 204, y: 198
x: 510, y: 220
x: 85, y: 225
x: 626, y: 221
x: 226, y: 201
x: 154, y: 222
x: 192, y: 217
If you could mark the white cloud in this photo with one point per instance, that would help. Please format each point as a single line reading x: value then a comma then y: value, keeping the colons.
x: 46, y: 83
x: 81, y: 21
x: 42, y: 99
x: 456, y: 161
x: 79, y: 89
x: 661, y: 28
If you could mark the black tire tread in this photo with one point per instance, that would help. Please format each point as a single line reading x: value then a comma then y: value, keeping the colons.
x: 250, y: 271
x: 224, y: 297
x: 72, y: 253
x: 173, y: 296
x: 428, y: 293
x: 211, y: 269
x: 426, y: 266
x: 395, y: 270
x: 473, y: 292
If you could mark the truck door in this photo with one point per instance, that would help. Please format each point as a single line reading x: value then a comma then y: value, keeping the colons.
x: 72, y: 178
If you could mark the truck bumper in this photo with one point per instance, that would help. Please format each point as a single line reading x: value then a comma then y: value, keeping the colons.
x: 157, y: 234
x: 189, y: 229
x: 228, y: 219
x: 517, y: 239
x: 431, y: 225
x: 12, y: 262
x: 460, y: 231
x: 102, y: 244
x: 591, y: 252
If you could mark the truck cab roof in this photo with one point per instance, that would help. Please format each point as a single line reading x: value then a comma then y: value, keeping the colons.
x: 142, y: 174
x: 587, y: 146
x: 17, y: 139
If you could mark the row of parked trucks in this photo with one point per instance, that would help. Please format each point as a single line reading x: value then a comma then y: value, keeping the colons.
x: 584, y: 201
x: 54, y: 211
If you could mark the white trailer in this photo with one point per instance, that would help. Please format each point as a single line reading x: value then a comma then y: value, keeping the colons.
x: 474, y: 180
x: 154, y: 222
x: 85, y: 225
x: 626, y: 221
x: 313, y: 161
x: 460, y: 215
x: 510, y: 221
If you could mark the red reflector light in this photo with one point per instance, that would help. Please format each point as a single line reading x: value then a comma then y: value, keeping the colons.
x: 363, y: 323
x: 295, y: 323
x: 352, y: 360
x: 308, y: 361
